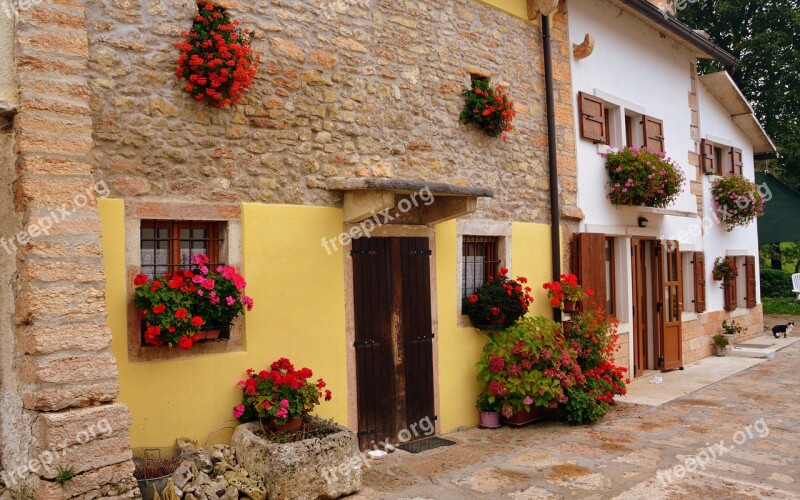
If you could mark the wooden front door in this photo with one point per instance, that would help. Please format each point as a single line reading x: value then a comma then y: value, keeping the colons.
x: 640, y: 306
x: 670, y: 305
x: 393, y: 336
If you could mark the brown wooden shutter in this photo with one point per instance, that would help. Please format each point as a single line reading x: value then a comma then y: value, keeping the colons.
x: 730, y: 289
x: 736, y: 162
x: 699, y: 267
x: 589, y: 265
x: 750, y: 281
x: 653, y: 134
x: 707, y: 156
x: 592, y: 118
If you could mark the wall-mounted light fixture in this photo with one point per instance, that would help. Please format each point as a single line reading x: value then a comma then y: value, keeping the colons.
x: 643, y: 222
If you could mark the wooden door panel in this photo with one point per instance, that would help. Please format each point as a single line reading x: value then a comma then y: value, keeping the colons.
x: 671, y: 305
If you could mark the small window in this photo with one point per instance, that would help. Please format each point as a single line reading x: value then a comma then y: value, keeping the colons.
x: 611, y: 276
x: 722, y: 158
x: 481, y: 261
x: 167, y: 246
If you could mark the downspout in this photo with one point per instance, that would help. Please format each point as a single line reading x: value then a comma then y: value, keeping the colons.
x: 555, y: 217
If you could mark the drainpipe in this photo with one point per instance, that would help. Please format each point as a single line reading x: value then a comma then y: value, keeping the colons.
x: 555, y: 218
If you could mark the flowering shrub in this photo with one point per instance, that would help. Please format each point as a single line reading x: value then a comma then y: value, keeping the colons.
x: 216, y: 58
x: 529, y: 364
x: 737, y: 200
x: 175, y: 306
x: 724, y: 270
x: 592, y: 335
x: 566, y: 289
x: 499, y: 300
x: 280, y: 393
x: 642, y: 178
x: 488, y: 108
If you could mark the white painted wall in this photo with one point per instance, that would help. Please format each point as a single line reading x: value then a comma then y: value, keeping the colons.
x: 634, y: 63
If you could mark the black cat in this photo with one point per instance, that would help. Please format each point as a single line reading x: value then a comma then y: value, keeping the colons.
x: 782, y: 329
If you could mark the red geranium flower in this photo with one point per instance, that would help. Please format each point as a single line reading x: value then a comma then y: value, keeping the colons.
x: 197, y: 321
x: 140, y: 279
x: 185, y: 343
x: 158, y: 309
x: 181, y: 313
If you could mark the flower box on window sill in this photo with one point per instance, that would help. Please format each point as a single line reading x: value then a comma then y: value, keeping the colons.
x: 210, y: 333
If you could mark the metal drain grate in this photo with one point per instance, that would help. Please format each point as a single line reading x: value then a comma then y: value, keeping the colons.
x: 425, y: 444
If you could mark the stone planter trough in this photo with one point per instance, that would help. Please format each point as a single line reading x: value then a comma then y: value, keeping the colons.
x: 314, y: 468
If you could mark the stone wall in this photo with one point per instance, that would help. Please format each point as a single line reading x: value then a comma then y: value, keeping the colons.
x: 64, y: 375
x: 351, y: 88
x: 698, y: 334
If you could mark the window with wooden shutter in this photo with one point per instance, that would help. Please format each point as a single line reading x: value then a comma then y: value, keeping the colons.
x: 592, y: 118
x: 707, y: 157
x: 737, y: 165
x: 729, y: 288
x: 750, y: 281
x: 589, y: 265
x: 699, y: 268
x: 653, y: 130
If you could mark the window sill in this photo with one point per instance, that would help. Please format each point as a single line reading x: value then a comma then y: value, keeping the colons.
x: 688, y: 316
x: 655, y: 211
x: 739, y: 311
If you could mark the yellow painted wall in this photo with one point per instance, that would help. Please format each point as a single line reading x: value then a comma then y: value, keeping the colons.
x: 299, y: 313
x: 460, y: 348
x: 298, y: 291
x: 517, y: 8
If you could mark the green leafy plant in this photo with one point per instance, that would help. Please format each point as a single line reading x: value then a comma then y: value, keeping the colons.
x: 732, y: 328
x: 484, y: 405
x: 499, y: 300
x: 721, y: 341
x: 583, y: 406
x: 642, y: 178
x: 737, y: 201
x: 724, y: 270
x: 65, y: 473
x: 488, y: 108
x: 776, y: 283
x: 527, y: 365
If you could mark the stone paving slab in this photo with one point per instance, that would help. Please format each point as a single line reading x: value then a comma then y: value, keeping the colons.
x: 745, y: 430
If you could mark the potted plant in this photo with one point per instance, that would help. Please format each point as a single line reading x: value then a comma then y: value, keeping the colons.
x: 499, y: 302
x: 640, y: 177
x: 182, y: 307
x: 490, y: 415
x: 724, y: 270
x: 488, y: 108
x: 280, y: 396
x: 216, y: 58
x: 566, y: 293
x: 721, y: 344
x: 737, y: 200
x: 730, y: 330
x: 526, y: 368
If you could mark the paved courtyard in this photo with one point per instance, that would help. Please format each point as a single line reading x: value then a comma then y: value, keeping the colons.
x: 636, y: 452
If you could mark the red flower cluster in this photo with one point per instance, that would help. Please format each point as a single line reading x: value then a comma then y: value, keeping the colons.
x: 567, y: 289
x: 489, y: 108
x: 216, y: 58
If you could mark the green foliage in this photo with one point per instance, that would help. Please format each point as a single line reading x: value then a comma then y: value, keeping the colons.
x: 764, y: 35
x: 737, y: 200
x: 781, y: 305
x: 488, y: 108
x: 583, y: 407
x: 732, y: 328
x: 724, y: 270
x: 484, y: 405
x: 775, y: 283
x: 65, y: 474
x: 721, y: 341
x: 528, y: 364
x: 500, y: 299
x: 642, y: 178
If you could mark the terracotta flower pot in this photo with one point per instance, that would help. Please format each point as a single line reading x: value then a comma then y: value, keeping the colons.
x: 523, y: 416
x: 569, y: 306
x: 490, y: 419
x: 291, y: 425
x: 497, y: 324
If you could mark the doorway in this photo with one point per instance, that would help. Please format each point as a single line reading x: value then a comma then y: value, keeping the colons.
x: 657, y: 305
x: 393, y: 337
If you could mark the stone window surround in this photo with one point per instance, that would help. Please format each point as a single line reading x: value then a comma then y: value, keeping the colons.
x: 502, y: 230
x: 231, y: 253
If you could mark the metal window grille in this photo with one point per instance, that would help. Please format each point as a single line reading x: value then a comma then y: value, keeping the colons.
x: 167, y: 246
x: 480, y: 261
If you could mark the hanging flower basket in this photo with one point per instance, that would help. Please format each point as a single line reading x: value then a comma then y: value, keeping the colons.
x: 737, y: 201
x: 499, y: 302
x: 724, y: 270
x: 639, y: 177
x: 216, y: 58
x: 488, y: 108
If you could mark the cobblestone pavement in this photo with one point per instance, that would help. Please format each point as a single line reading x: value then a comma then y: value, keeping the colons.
x: 636, y: 452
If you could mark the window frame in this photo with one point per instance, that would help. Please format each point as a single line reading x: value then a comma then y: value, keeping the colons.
x: 214, y: 241
x: 611, y: 276
x: 491, y: 266
x: 500, y: 230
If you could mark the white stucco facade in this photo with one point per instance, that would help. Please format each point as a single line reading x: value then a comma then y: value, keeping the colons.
x: 638, y: 71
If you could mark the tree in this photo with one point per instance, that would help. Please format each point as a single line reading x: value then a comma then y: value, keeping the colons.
x: 765, y: 36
